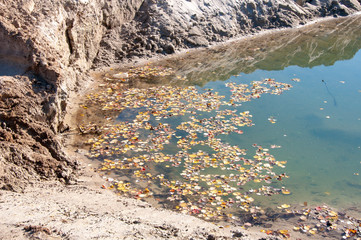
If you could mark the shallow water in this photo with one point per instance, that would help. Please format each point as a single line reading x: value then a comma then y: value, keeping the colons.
x: 323, y: 153
x: 318, y: 120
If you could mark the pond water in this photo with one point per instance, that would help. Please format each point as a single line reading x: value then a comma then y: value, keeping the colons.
x: 318, y: 126
x: 305, y: 127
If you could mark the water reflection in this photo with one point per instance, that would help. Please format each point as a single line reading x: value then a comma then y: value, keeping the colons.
x: 321, y: 44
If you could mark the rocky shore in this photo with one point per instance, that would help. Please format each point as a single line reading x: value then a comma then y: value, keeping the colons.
x: 48, y: 49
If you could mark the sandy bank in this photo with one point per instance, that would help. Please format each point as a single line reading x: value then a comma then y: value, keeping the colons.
x: 50, y: 210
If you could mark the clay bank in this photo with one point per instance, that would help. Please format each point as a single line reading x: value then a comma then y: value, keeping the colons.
x: 49, y: 48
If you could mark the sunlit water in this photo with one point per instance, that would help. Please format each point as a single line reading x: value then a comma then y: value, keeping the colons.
x: 318, y: 126
x: 318, y: 121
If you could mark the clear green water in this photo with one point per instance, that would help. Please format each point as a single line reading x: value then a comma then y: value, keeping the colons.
x: 318, y: 120
x: 323, y: 154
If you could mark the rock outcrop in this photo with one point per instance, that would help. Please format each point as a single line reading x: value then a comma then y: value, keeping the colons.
x: 165, y: 26
x: 47, y: 48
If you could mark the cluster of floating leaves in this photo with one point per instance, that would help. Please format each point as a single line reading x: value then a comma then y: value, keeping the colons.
x: 172, y: 149
x: 176, y: 161
x: 143, y: 72
x: 321, y: 220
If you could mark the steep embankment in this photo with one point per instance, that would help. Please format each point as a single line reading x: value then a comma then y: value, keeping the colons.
x: 167, y: 26
x: 47, y: 47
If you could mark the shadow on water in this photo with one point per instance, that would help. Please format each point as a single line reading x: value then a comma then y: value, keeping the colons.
x: 336, y: 136
x: 323, y: 43
x: 312, y: 120
x: 356, y: 185
x: 328, y: 91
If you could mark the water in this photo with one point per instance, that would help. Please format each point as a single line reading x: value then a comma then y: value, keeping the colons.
x: 323, y: 153
x: 318, y: 120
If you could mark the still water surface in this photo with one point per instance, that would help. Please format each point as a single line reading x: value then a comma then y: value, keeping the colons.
x: 318, y: 121
x: 318, y: 126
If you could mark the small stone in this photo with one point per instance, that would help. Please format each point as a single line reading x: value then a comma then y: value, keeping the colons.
x: 237, y: 234
x: 211, y: 237
x: 169, y: 48
x: 121, y: 75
